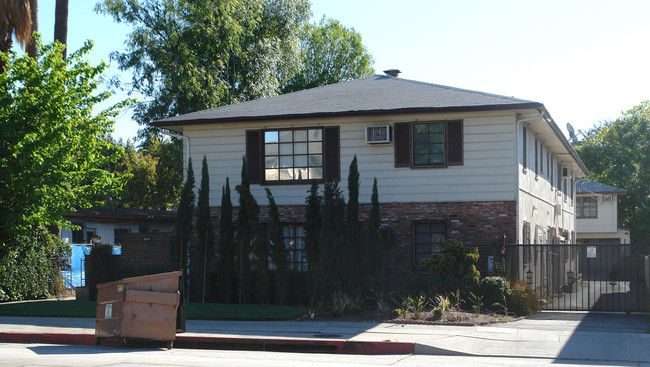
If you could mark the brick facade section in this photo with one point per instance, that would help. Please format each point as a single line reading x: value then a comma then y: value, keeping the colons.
x: 145, y: 253
x: 485, y: 225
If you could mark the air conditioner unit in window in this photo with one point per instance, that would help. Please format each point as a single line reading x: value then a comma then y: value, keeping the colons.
x: 606, y: 199
x: 379, y: 134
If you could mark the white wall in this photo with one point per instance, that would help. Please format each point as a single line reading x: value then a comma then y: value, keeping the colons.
x: 538, y: 197
x: 106, y: 230
x: 607, y: 220
x: 487, y: 173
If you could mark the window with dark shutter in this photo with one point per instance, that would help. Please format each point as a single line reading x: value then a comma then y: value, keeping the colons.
x: 298, y: 155
x: 253, y: 156
x: 455, y: 143
x: 428, y: 144
x: 332, y: 153
x: 402, y: 137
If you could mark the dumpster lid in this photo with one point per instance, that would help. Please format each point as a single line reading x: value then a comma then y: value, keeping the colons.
x: 141, y: 278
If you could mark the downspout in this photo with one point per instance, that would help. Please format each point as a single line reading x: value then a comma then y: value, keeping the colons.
x: 517, y: 123
x: 187, y: 151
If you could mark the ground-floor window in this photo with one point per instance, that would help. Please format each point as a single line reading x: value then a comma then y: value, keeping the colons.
x: 294, y: 241
x: 427, y: 239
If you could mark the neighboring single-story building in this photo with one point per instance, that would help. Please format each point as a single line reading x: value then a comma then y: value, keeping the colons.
x: 450, y: 163
x: 597, y: 214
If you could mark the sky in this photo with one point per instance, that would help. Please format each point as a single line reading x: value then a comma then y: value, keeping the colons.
x: 586, y: 61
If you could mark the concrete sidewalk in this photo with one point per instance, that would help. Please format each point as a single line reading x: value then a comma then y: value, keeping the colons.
x: 566, y: 336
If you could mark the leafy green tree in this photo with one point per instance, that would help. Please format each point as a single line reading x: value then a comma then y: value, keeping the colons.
x: 616, y: 153
x: 52, y: 146
x: 374, y: 243
x: 331, y: 53
x: 180, y: 245
x: 279, y: 252
x: 226, y: 238
x: 352, y: 248
x: 52, y: 153
x: 330, y: 272
x: 140, y: 169
x: 192, y: 55
x: 204, y: 223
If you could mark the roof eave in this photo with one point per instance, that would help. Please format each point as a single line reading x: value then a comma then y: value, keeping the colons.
x: 401, y: 111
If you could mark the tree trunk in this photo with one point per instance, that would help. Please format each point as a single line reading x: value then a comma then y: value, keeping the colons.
x: 61, y: 24
x: 32, y: 47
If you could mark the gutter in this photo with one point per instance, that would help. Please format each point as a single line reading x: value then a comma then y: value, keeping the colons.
x: 175, y: 134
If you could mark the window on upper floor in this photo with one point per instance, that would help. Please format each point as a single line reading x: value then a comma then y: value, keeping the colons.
x: 78, y: 234
x: 426, y: 239
x: 299, y: 155
x: 429, y: 144
x: 587, y: 207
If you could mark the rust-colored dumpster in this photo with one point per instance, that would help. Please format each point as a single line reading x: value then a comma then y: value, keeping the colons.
x: 138, y: 308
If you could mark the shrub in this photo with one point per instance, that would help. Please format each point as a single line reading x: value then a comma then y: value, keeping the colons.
x: 26, y: 271
x: 100, y: 268
x: 523, y: 300
x: 493, y: 290
x: 453, y: 268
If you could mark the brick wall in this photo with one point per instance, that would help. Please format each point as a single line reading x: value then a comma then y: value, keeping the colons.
x: 145, y: 253
x: 480, y: 224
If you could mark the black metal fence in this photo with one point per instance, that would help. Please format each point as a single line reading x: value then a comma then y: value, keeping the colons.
x: 594, y: 277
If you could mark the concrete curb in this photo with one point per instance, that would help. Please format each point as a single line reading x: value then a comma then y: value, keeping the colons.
x: 230, y: 343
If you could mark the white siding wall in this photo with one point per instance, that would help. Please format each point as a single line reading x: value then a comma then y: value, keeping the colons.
x: 106, y: 230
x: 605, y: 222
x: 538, y: 196
x: 487, y: 173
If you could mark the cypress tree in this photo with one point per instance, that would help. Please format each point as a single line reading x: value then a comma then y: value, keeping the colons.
x: 279, y: 252
x: 312, y: 225
x: 374, y: 243
x: 352, y: 247
x: 330, y: 272
x: 226, y: 238
x: 183, y: 226
x: 203, y: 223
x: 180, y: 244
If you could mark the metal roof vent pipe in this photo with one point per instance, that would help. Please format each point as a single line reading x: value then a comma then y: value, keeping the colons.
x: 392, y: 72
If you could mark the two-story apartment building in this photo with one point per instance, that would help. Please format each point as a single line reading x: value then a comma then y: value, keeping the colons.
x: 597, y: 214
x: 450, y: 163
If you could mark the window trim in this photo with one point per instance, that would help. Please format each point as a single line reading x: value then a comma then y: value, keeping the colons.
x: 428, y: 222
x: 256, y: 155
x: 404, y: 144
x: 580, y: 207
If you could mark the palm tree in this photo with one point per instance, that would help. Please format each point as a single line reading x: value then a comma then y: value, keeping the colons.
x: 15, y: 21
x: 61, y: 23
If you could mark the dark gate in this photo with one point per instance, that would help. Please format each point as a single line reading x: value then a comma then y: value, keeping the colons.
x: 594, y: 277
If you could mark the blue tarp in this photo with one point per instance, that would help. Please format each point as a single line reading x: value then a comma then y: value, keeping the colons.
x: 73, y: 275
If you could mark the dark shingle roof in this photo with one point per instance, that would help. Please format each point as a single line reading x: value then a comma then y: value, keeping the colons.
x: 107, y: 214
x: 374, y: 94
x: 584, y: 186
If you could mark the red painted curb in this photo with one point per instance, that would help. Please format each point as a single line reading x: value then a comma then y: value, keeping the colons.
x: 204, y: 342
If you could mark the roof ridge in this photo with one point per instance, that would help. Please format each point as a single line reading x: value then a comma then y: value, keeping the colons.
x: 274, y: 96
x: 463, y: 90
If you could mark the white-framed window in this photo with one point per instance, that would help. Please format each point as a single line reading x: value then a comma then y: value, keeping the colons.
x: 293, y: 155
x: 426, y: 241
x: 586, y: 207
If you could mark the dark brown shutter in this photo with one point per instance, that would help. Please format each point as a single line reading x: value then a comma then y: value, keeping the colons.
x: 332, y: 154
x: 402, y: 136
x: 253, y: 155
x: 455, y: 143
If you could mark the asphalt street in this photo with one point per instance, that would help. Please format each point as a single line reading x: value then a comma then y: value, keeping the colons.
x: 43, y: 355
